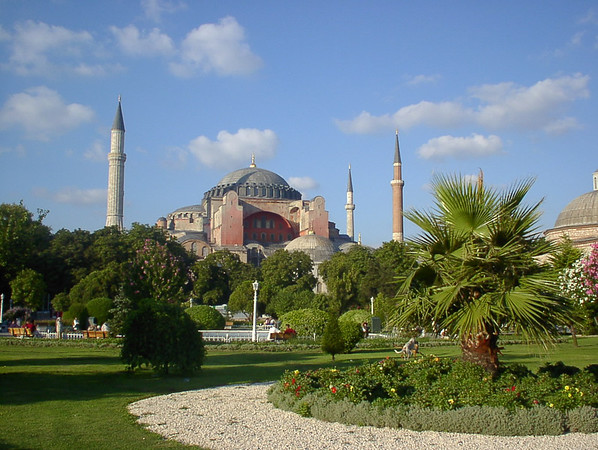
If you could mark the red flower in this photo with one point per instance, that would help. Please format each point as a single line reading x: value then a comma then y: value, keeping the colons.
x: 333, y: 389
x: 293, y: 381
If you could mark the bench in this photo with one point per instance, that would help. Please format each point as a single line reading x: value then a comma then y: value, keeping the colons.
x: 95, y: 334
x: 279, y: 336
x: 20, y: 332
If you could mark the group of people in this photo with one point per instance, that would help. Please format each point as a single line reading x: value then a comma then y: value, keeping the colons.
x: 29, y: 325
x: 274, y: 332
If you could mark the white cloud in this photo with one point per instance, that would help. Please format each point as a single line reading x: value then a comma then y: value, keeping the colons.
x: 42, y: 113
x: 219, y: 48
x: 133, y: 42
x: 231, y: 150
x: 528, y: 108
x: 303, y: 183
x: 154, y: 9
x: 42, y: 49
x: 422, y: 79
x: 96, y: 153
x: 499, y: 106
x: 74, y: 195
x: 461, y: 147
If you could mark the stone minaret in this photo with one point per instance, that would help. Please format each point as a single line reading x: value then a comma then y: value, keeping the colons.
x: 350, y: 207
x: 397, y: 195
x: 116, y: 171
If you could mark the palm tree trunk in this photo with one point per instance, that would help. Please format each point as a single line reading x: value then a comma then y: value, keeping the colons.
x: 483, y: 350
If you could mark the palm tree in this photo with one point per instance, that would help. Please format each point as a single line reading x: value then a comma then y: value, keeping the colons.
x: 476, y: 272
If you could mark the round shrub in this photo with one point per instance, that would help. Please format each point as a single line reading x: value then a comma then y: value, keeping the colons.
x: 206, y: 317
x: 99, y: 308
x: 76, y: 311
x: 356, y: 315
x: 306, y: 322
x: 162, y: 335
x: 351, y: 334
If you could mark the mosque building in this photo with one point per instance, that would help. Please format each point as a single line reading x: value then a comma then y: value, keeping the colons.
x: 578, y: 220
x: 251, y: 212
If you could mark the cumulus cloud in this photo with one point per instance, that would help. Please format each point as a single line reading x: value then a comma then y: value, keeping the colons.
x: 41, y: 49
x: 231, y: 150
x: 134, y: 42
x: 499, y: 107
x: 461, y: 147
x: 303, y: 183
x: 42, y: 113
x: 153, y: 9
x: 219, y: 48
x: 74, y: 196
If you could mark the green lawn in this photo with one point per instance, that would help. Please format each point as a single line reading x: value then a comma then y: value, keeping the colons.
x: 65, y: 396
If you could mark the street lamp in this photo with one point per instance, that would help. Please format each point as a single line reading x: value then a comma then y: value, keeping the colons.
x: 256, y: 286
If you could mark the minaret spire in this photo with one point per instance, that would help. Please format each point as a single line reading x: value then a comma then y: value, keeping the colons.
x: 350, y: 207
x: 116, y: 171
x: 397, y: 184
x: 252, y: 160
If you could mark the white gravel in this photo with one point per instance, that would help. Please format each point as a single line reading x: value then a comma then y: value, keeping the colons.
x: 239, y: 417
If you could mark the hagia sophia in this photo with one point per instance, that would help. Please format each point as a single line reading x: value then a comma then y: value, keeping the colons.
x: 253, y: 212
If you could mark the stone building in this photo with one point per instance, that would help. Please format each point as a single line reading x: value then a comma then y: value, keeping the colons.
x: 251, y: 212
x: 578, y: 220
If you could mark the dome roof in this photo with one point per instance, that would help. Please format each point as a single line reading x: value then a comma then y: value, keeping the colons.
x: 189, y: 209
x: 317, y: 247
x: 254, y: 182
x: 582, y: 210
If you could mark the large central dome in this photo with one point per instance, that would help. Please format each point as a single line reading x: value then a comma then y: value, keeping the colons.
x: 255, y: 183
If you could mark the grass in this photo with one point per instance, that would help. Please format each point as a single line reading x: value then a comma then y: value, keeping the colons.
x: 68, y: 396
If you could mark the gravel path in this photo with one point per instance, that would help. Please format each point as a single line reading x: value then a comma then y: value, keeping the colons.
x: 239, y: 417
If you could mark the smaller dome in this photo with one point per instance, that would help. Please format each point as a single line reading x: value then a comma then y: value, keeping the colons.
x: 582, y: 210
x: 317, y: 247
x: 189, y: 209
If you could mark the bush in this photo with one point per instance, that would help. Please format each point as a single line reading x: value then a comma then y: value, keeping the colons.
x: 332, y: 341
x: 306, y: 322
x: 206, y: 318
x: 161, y: 335
x: 76, y: 311
x: 356, y: 315
x: 100, y: 309
x: 351, y: 333
x: 445, y: 395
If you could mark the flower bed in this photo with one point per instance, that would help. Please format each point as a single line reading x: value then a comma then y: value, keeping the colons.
x: 446, y: 395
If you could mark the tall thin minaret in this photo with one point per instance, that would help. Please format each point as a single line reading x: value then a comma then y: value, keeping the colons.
x: 116, y: 171
x: 350, y: 207
x: 397, y: 184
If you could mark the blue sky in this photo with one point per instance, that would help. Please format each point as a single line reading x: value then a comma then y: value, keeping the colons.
x: 310, y: 87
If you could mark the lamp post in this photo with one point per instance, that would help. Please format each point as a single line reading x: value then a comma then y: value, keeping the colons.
x: 372, y: 303
x: 256, y: 286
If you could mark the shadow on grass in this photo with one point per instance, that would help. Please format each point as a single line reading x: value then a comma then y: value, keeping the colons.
x: 63, y: 361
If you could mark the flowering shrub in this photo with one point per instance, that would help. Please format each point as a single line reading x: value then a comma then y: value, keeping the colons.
x: 580, y: 283
x: 444, y: 384
x: 156, y: 273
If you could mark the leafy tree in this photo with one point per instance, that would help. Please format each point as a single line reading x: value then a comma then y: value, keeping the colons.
x: 206, y: 317
x: 241, y: 300
x: 290, y: 298
x: 352, y: 277
x: 284, y: 268
x: 156, y: 273
x: 393, y: 259
x: 22, y: 240
x: 306, y: 322
x: 100, y: 309
x: 61, y: 302
x: 351, y: 333
x: 218, y: 275
x: 161, y: 335
x: 332, y: 340
x: 477, y: 274
x: 77, y: 311
x: 28, y: 289
x: 99, y: 283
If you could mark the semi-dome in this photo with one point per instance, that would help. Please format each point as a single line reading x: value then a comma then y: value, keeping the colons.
x: 317, y: 247
x: 254, y: 182
x: 582, y: 210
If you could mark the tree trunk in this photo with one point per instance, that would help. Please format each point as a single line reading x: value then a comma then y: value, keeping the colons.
x: 573, y: 335
x: 483, y: 350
